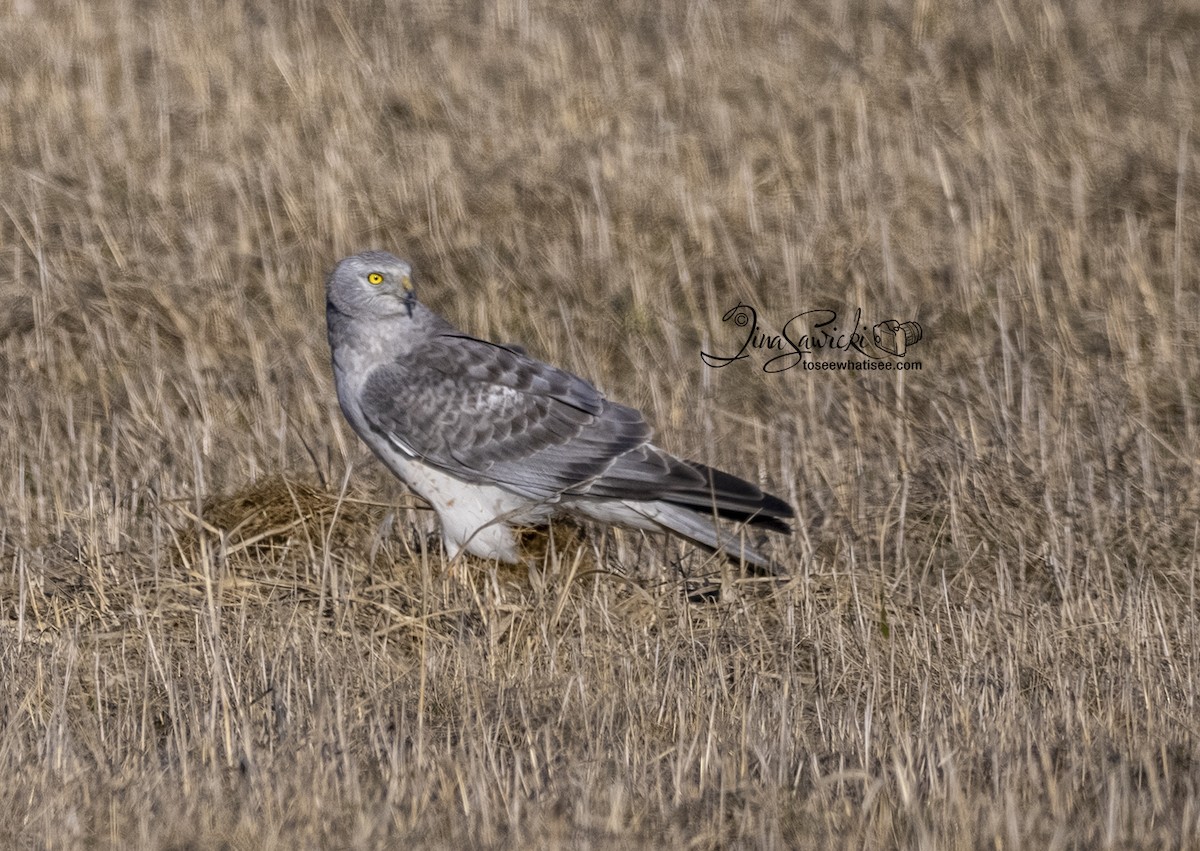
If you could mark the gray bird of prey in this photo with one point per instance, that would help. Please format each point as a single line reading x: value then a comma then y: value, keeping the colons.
x: 493, y: 438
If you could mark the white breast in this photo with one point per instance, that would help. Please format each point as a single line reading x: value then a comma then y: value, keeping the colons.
x: 474, y: 517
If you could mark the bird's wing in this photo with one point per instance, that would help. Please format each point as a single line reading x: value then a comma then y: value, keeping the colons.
x: 491, y: 414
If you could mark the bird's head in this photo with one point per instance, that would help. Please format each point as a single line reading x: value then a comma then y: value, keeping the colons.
x: 371, y: 284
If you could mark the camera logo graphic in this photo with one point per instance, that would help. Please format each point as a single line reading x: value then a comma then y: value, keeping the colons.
x: 895, y: 338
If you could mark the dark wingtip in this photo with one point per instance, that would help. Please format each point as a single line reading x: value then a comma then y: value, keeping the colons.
x: 727, y: 485
x: 776, y: 507
x: 735, y: 499
x: 758, y: 519
x: 768, y: 522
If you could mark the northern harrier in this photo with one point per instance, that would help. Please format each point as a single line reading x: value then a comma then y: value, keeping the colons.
x: 493, y: 438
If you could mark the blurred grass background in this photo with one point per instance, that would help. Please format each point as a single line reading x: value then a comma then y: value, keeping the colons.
x: 221, y: 624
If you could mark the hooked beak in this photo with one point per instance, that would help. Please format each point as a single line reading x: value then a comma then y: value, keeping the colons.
x: 410, y: 294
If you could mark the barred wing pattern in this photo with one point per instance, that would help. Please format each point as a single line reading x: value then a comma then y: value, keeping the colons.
x: 503, y: 418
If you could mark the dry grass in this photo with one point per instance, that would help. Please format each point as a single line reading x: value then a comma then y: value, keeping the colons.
x: 991, y: 639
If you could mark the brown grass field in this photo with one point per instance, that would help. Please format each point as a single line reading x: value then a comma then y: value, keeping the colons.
x: 224, y: 625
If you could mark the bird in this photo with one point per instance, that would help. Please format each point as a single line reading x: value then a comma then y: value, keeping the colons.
x: 495, y: 440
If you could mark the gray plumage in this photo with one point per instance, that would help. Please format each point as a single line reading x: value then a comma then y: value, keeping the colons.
x: 492, y: 438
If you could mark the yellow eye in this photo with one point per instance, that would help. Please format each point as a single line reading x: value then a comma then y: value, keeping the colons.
x: 375, y: 278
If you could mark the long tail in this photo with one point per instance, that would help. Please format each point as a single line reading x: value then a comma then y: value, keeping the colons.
x: 687, y: 498
x: 732, y: 499
x: 701, y: 529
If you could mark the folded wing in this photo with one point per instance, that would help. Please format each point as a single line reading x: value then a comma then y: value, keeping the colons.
x: 490, y: 414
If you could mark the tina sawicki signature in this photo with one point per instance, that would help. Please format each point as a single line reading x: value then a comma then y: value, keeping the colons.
x: 812, y: 332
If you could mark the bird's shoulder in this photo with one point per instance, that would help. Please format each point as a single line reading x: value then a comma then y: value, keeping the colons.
x: 465, y: 365
x: 490, y: 413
